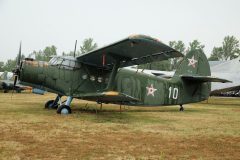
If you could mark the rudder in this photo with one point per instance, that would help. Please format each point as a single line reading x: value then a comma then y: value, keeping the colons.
x: 194, y: 63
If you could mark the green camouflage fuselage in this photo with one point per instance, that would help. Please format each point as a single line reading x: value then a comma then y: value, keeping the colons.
x: 148, y: 89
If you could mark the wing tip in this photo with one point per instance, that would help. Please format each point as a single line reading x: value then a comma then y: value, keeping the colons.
x: 142, y: 36
x: 146, y: 37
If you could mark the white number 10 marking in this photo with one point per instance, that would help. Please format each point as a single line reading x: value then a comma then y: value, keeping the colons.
x: 173, y: 93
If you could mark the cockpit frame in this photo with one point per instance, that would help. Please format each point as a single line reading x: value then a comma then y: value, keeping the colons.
x: 69, y: 63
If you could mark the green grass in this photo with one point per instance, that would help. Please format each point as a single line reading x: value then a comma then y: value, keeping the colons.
x: 203, y: 131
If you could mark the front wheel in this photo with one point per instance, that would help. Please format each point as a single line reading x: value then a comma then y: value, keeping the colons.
x: 64, y: 109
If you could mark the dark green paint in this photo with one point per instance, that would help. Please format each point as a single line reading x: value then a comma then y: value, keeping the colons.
x: 71, y: 82
x: 80, y: 77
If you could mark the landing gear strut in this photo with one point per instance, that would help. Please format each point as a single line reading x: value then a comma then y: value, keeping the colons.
x: 181, y: 108
x: 53, y: 104
x: 65, y: 108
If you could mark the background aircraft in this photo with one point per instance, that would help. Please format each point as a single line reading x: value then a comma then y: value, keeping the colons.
x: 99, y: 76
x: 230, y: 70
x: 6, y: 75
x: 7, y: 83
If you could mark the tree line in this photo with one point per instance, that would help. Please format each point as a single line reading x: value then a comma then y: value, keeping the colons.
x: 45, y: 55
x: 229, y: 49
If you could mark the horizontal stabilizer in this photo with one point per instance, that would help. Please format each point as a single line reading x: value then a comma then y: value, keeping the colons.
x: 202, y: 79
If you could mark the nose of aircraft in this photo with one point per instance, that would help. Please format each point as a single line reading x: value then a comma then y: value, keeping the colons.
x: 32, y: 71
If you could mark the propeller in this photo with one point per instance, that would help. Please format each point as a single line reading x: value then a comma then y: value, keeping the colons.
x: 16, y: 71
x: 19, y: 55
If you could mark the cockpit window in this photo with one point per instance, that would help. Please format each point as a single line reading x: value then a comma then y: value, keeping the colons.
x: 64, y: 63
x: 59, y: 61
x: 56, y: 61
x: 51, y: 60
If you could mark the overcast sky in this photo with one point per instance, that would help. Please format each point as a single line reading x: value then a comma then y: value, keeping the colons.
x: 39, y: 23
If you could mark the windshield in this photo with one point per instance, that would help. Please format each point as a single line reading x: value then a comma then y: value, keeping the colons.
x: 64, y: 63
x: 56, y: 61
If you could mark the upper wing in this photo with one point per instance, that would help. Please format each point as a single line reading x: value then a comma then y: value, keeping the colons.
x: 134, y: 50
x: 202, y: 79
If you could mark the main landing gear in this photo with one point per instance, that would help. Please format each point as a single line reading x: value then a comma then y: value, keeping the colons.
x: 62, y: 108
x: 181, y: 108
x: 53, y: 104
x: 65, y: 108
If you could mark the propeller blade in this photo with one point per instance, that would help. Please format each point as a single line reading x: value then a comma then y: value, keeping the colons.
x: 16, y: 71
x: 19, y: 54
x: 14, y: 84
x: 15, y: 80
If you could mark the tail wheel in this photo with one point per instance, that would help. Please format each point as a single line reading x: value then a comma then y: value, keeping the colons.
x: 181, y: 108
x: 51, y: 105
x: 64, y: 109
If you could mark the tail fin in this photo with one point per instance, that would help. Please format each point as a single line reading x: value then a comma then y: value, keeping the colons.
x: 194, y: 72
x: 194, y: 63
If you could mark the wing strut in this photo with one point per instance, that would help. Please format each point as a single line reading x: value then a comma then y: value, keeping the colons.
x: 113, y: 75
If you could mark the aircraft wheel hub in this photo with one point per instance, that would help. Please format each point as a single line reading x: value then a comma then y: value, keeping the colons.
x: 64, y: 111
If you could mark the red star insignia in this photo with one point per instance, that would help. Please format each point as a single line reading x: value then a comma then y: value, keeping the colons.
x: 192, y: 62
x: 150, y: 90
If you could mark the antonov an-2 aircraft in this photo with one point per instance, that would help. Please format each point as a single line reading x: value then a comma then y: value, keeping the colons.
x: 99, y: 76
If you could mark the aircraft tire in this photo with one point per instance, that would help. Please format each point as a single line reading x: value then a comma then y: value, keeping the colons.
x: 64, y: 109
x: 49, y: 105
